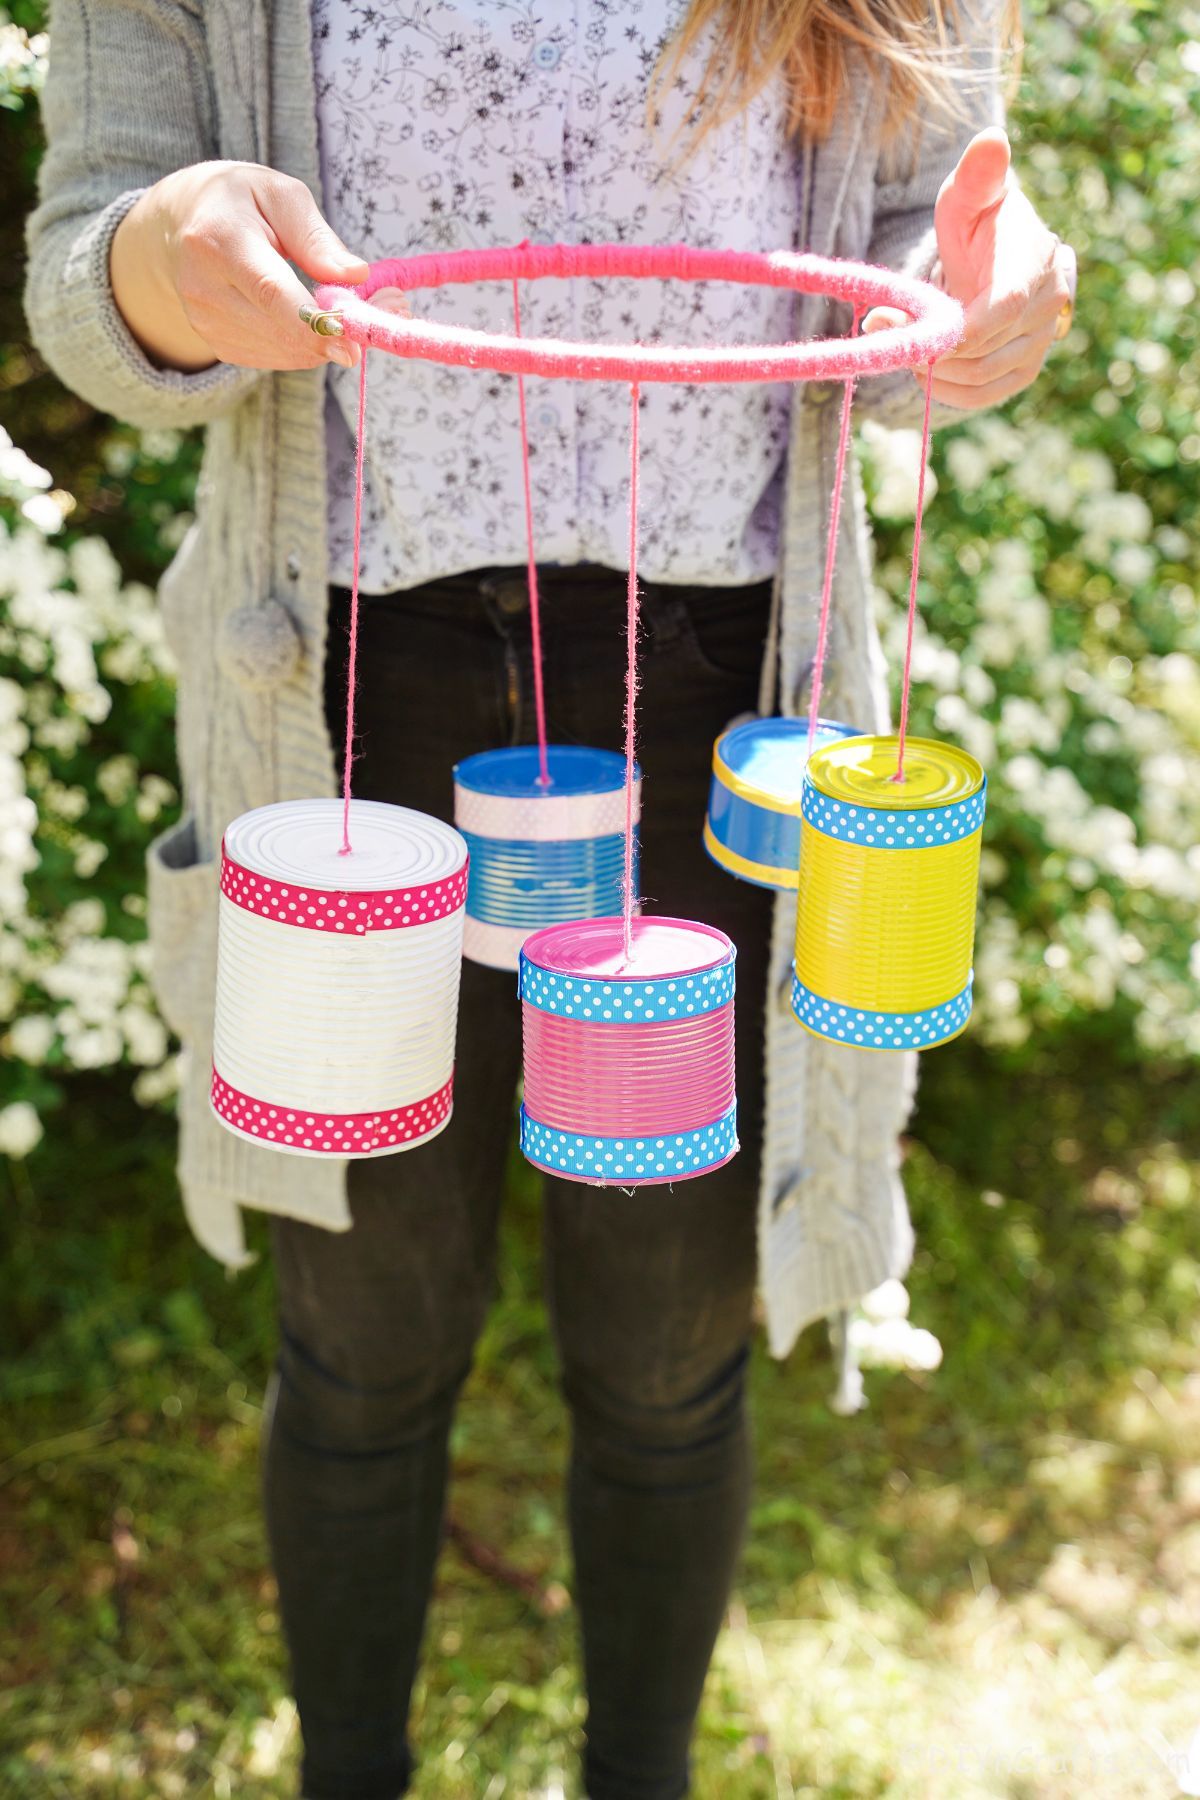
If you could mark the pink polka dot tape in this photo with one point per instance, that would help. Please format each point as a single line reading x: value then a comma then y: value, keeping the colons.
x: 324, y: 909
x: 332, y: 1134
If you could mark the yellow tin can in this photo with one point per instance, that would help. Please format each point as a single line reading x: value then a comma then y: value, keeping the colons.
x: 889, y: 876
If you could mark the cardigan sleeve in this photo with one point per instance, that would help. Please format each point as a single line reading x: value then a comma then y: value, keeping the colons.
x: 907, y: 186
x: 127, y: 100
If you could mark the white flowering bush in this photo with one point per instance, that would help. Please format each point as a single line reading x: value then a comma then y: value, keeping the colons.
x: 85, y: 705
x: 1059, y: 621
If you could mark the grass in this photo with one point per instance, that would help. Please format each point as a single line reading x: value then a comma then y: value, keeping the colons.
x: 986, y: 1585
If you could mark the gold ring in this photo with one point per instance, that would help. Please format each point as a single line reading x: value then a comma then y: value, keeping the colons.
x: 1062, y: 324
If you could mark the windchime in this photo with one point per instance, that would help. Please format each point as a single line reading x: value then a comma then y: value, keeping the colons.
x: 628, y: 1019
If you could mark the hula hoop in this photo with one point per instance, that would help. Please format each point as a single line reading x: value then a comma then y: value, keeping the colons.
x: 936, y: 328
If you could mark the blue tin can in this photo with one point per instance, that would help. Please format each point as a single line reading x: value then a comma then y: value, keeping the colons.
x: 541, y: 854
x: 753, y: 823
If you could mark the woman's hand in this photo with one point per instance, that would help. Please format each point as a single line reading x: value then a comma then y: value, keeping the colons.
x: 1015, y: 279
x: 199, y: 269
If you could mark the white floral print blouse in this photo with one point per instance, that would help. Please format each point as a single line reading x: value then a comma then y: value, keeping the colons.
x: 455, y: 124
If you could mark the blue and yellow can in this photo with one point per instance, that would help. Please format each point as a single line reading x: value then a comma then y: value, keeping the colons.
x: 753, y: 823
x: 889, y: 877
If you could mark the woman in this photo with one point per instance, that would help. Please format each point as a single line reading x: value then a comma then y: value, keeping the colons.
x: 159, y: 288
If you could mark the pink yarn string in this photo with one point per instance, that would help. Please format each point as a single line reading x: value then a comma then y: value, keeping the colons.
x: 906, y: 680
x: 535, y: 612
x: 831, y: 549
x: 631, y: 634
x: 360, y: 447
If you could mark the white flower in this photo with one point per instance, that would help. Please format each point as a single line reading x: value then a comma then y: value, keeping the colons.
x: 1133, y: 564
x: 88, y: 858
x: 116, y: 778
x: 30, y: 1038
x: 145, y: 1035
x: 46, y: 511
x: 92, y: 977
x: 154, y: 1085
x: 18, y: 470
x: 892, y: 1343
x: 924, y: 1350
x: 20, y: 1129
x: 888, y: 1301
x: 895, y: 458
x: 969, y: 464
x: 1025, y: 726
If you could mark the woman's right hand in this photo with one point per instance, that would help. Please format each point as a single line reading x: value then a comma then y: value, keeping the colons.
x: 200, y: 273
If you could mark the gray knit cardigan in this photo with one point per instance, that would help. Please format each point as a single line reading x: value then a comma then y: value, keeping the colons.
x: 138, y: 88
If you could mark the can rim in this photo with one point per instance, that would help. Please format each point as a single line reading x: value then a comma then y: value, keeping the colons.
x: 860, y: 771
x: 512, y: 772
x: 533, y: 950
x: 753, y: 791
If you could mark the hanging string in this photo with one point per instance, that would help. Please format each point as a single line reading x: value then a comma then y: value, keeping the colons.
x: 360, y: 451
x: 831, y: 549
x: 906, y: 682
x: 535, y: 616
x: 631, y: 634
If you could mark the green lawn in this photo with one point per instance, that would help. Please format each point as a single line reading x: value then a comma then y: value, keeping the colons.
x: 988, y: 1584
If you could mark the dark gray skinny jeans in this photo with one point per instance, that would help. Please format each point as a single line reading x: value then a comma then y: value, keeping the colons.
x: 649, y: 1292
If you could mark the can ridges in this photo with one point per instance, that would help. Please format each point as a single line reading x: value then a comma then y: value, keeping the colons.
x: 886, y: 901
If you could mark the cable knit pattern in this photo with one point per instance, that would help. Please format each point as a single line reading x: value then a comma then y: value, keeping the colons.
x: 234, y: 78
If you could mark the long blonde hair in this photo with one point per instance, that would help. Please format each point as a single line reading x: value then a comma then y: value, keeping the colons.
x: 910, y: 44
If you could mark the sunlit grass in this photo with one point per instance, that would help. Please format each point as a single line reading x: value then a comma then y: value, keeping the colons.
x: 987, y: 1585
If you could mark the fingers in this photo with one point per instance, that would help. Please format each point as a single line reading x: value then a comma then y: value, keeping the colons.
x: 1001, y: 362
x: 968, y: 398
x: 885, y: 318
x: 224, y: 303
x: 991, y: 323
x: 234, y: 327
x: 393, y: 300
x: 275, y: 295
x: 1068, y: 266
x: 997, y: 321
x: 303, y: 235
x: 979, y: 182
x: 971, y: 396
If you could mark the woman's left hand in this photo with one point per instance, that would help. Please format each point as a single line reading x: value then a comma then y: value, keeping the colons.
x: 1015, y: 279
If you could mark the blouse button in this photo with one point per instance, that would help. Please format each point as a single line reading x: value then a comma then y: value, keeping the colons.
x: 546, y: 416
x: 547, y: 55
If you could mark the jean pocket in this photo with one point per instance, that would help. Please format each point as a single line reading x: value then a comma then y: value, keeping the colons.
x: 726, y: 630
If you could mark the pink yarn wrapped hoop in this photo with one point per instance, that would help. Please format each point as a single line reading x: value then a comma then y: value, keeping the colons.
x: 936, y: 328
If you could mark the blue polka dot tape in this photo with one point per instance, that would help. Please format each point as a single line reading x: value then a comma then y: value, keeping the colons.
x: 914, y: 828
x: 627, y: 1002
x: 880, y: 1031
x: 615, y: 1160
